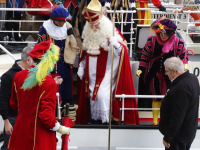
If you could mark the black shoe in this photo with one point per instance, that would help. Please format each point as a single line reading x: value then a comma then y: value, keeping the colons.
x: 21, y: 44
x: 12, y: 44
x: 105, y: 123
x: 9, y: 48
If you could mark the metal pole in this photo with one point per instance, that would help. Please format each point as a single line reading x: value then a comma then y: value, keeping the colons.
x: 58, y: 115
x: 5, y: 50
x: 110, y: 109
x: 123, y: 96
x: 111, y: 75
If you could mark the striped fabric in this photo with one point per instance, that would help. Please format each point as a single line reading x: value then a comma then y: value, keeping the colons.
x: 143, y: 14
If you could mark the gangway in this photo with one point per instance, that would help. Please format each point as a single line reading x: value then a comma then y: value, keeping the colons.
x: 123, y: 137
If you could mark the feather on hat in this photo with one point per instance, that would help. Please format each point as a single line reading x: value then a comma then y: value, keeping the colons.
x: 49, y: 55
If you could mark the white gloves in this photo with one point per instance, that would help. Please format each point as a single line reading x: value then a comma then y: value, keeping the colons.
x: 113, y: 41
x: 63, y: 130
x: 133, y: 5
x: 107, y: 4
x: 81, y: 68
x: 80, y: 72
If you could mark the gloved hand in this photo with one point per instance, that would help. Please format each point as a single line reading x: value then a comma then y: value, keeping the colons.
x: 138, y: 72
x: 63, y: 130
x: 133, y: 7
x: 108, y: 8
x: 80, y: 72
x: 113, y: 41
x: 185, y: 66
x: 162, y: 8
x: 58, y: 80
x: 107, y: 4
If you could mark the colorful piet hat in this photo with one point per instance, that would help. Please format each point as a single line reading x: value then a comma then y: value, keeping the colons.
x: 162, y: 24
x: 48, y: 53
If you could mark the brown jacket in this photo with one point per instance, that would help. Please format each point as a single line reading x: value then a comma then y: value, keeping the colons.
x: 71, y: 48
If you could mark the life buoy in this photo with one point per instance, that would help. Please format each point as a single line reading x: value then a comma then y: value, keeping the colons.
x: 195, y: 16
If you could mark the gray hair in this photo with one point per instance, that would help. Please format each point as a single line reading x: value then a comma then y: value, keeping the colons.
x: 25, y: 52
x: 174, y: 63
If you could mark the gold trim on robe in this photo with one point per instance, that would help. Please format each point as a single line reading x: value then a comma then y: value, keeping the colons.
x: 36, y: 119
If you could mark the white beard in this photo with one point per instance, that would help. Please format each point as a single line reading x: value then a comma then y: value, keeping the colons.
x: 94, y: 39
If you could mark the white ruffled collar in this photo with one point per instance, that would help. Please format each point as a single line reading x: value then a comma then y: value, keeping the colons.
x: 55, y: 32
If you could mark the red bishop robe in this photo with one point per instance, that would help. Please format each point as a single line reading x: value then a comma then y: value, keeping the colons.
x: 36, y: 115
x: 124, y: 85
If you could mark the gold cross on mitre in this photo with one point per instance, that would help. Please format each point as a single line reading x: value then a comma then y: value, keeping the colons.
x: 93, y: 12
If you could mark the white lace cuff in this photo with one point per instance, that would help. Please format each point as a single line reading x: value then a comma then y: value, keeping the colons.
x: 57, y: 125
x: 82, y: 63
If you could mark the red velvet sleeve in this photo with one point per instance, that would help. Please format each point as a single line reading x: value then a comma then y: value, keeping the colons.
x: 48, y: 105
x: 156, y: 3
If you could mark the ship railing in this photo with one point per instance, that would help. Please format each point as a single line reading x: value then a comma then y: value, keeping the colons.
x: 122, y: 98
x: 175, y: 10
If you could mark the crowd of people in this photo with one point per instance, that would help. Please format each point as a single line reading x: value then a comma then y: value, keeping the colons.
x: 28, y: 90
x: 12, y: 37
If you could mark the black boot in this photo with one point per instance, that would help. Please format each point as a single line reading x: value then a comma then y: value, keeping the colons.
x: 12, y: 44
x: 21, y: 44
x: 5, y: 45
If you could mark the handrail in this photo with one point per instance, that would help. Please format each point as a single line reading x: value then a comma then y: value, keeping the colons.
x: 5, y: 50
x: 139, y: 96
x: 123, y: 96
x: 131, y: 43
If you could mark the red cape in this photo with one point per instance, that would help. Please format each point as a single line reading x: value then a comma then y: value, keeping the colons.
x: 124, y: 85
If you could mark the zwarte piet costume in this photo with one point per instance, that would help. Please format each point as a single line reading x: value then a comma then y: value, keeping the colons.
x: 155, y: 52
x: 61, y: 36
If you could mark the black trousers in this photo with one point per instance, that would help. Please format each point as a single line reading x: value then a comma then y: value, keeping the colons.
x: 13, y: 25
x: 177, y: 145
x: 6, y: 136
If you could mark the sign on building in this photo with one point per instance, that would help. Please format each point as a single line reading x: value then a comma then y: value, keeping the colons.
x: 180, y: 16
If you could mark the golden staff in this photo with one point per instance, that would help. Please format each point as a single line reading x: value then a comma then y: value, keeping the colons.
x: 110, y: 111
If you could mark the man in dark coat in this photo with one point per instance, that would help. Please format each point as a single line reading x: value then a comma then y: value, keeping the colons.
x: 8, y: 114
x: 179, y: 108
